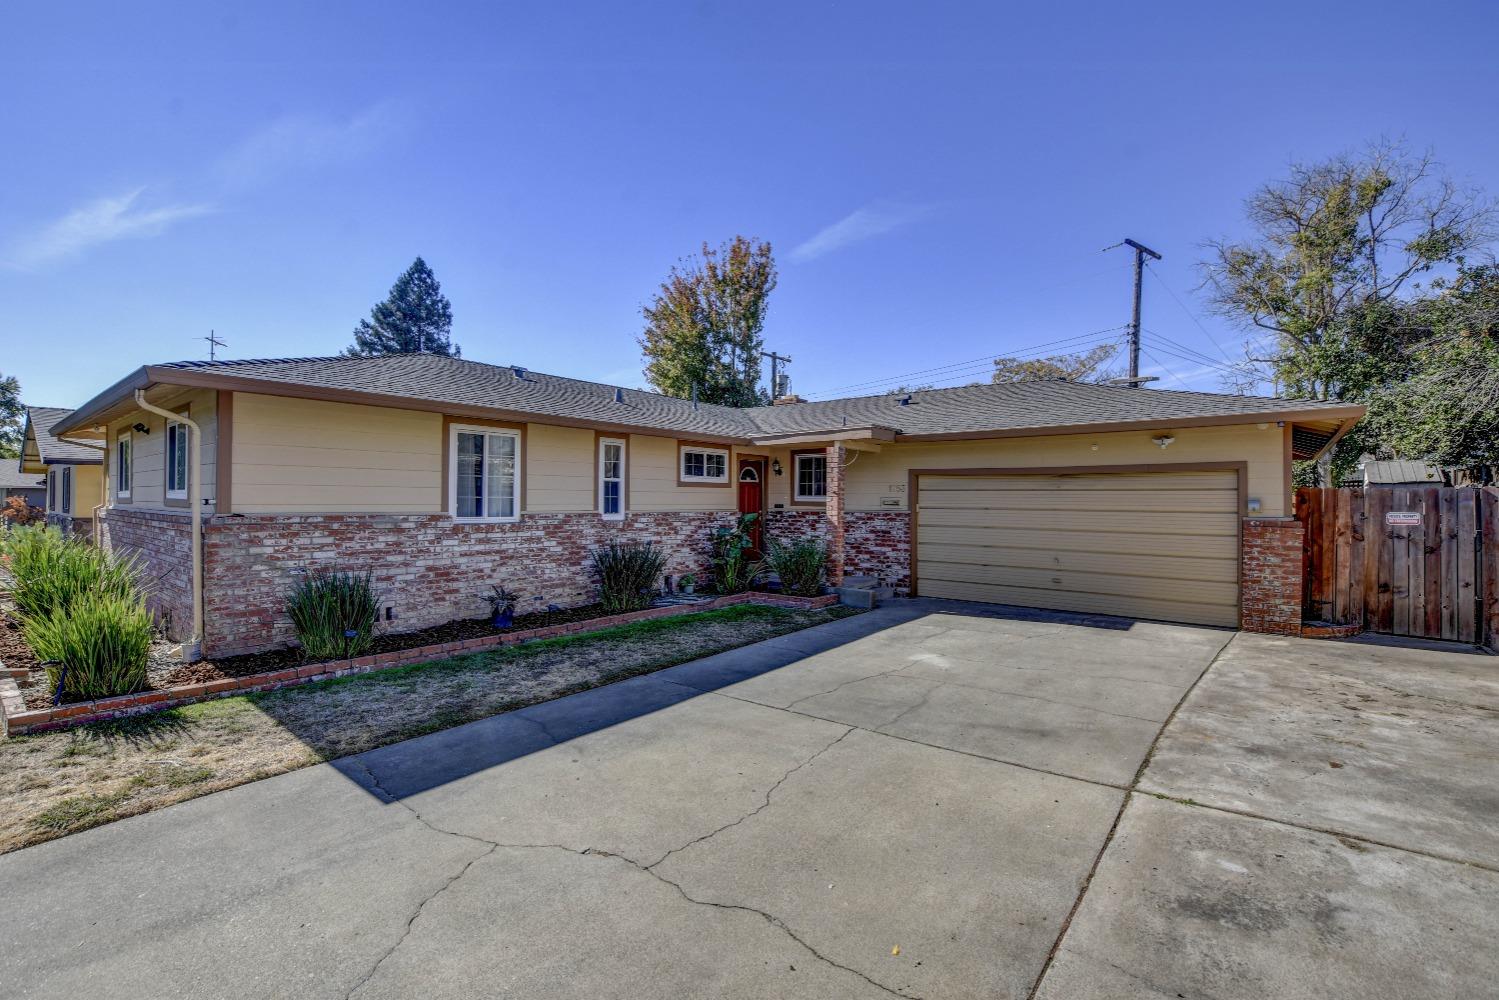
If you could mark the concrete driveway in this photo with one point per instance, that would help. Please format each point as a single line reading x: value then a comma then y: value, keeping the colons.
x: 931, y: 800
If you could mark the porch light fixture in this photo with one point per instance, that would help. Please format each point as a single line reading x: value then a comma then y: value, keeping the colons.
x: 141, y: 429
x: 775, y: 466
x: 1163, y: 440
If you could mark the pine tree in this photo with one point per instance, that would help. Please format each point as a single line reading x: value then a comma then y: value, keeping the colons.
x: 416, y: 318
x: 12, y: 413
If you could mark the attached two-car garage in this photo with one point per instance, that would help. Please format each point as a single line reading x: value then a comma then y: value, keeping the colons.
x: 1139, y: 543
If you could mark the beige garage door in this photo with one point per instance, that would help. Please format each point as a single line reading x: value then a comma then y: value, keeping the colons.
x: 1146, y: 545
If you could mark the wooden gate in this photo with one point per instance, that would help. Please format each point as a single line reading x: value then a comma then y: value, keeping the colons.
x: 1418, y: 561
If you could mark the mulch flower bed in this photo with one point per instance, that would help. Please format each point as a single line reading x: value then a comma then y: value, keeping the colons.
x: 454, y: 631
x: 165, y: 671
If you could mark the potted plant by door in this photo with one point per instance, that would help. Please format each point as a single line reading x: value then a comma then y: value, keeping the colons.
x: 688, y: 583
x: 501, y: 606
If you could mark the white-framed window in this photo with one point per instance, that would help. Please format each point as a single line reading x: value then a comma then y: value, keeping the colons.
x: 176, y: 460
x: 484, y: 471
x: 122, y: 466
x: 705, y: 465
x: 52, y: 491
x: 811, y: 477
x: 67, y: 490
x: 611, y: 479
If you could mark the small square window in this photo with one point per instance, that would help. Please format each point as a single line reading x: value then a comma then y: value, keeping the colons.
x: 811, y: 477
x: 705, y: 465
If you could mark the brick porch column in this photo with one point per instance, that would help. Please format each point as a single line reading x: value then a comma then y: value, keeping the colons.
x: 836, y: 456
x: 1272, y: 575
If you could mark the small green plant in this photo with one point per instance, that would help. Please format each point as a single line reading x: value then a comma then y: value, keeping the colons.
x: 734, y: 569
x: 627, y: 575
x: 799, y: 565
x: 50, y: 571
x: 334, y: 613
x: 97, y: 647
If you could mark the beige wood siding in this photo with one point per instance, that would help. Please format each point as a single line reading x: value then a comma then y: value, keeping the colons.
x: 312, y: 456
x: 148, y: 451
x: 653, y: 479
x: 1148, y: 545
x: 560, y: 469
x: 877, y: 480
x: 87, y: 495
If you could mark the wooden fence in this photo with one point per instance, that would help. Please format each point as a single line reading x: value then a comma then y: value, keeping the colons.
x: 1417, y: 561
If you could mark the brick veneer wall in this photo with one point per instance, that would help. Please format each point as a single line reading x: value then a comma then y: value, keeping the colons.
x: 795, y: 525
x: 878, y: 543
x: 1272, y: 576
x: 161, y: 542
x: 429, y: 569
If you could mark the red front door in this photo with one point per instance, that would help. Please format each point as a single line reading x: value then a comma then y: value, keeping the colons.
x: 752, y: 499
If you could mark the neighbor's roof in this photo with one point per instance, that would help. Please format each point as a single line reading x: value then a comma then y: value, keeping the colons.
x: 12, y: 478
x: 41, y: 421
x: 461, y: 386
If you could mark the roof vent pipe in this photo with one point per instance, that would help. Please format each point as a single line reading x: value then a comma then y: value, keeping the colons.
x: 905, y: 400
x: 694, y: 395
x: 520, y: 372
x: 619, y: 395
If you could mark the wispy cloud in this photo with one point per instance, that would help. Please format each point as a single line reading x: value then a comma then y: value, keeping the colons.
x: 301, y: 142
x: 103, y: 220
x: 859, y: 225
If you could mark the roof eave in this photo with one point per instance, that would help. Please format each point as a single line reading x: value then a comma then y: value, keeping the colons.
x: 87, y: 415
x: 872, y: 432
x: 1348, y: 414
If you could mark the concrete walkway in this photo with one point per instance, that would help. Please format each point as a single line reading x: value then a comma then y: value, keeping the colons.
x: 931, y: 800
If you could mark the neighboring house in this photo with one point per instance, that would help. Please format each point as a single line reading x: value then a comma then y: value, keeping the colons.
x: 445, y: 475
x: 29, y: 486
x: 70, y: 469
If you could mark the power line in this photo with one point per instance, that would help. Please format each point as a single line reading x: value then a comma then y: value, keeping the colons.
x: 984, y: 360
x: 1194, y: 354
x: 1177, y: 299
x: 1163, y: 368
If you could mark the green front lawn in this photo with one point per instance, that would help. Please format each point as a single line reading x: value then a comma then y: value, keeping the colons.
x: 58, y: 783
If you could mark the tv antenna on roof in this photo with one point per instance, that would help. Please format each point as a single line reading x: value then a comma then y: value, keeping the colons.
x: 213, y: 342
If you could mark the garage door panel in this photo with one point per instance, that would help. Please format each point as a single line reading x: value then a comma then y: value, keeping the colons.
x: 1124, y: 521
x: 1097, y: 604
x: 1119, y: 585
x: 1222, y: 546
x: 1141, y: 544
x: 1170, y: 501
x: 1068, y: 483
x: 1149, y: 563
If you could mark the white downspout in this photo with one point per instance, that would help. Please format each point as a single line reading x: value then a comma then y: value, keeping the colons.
x: 195, y: 506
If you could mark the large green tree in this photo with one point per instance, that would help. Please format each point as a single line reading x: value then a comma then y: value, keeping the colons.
x: 1331, y: 280
x: 12, y: 417
x: 705, y: 326
x: 1084, y: 366
x: 415, y: 318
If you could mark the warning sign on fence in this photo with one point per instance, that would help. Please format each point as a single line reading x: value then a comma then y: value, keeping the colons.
x: 1407, y: 517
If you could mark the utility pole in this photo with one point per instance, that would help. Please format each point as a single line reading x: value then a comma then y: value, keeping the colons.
x: 213, y: 342
x: 776, y: 360
x: 1134, y: 324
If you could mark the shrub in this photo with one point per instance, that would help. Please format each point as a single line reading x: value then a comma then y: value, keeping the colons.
x: 334, y: 613
x: 51, y: 571
x: 799, y: 565
x: 627, y: 575
x: 18, y: 512
x: 733, y: 569
x: 101, y: 645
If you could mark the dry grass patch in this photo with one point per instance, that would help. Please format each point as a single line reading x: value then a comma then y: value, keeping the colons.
x: 54, y: 784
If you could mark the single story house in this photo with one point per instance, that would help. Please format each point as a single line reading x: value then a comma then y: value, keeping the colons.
x: 443, y: 476
x: 71, y: 470
x: 29, y: 486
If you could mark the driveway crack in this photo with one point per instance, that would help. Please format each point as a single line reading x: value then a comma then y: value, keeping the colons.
x: 758, y: 809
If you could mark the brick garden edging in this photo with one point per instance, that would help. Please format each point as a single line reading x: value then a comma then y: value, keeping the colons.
x: 19, y: 720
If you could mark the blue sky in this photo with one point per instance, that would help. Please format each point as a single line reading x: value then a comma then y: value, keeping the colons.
x: 937, y: 179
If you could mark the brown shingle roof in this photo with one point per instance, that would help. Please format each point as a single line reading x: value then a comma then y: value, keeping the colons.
x: 1008, y: 408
